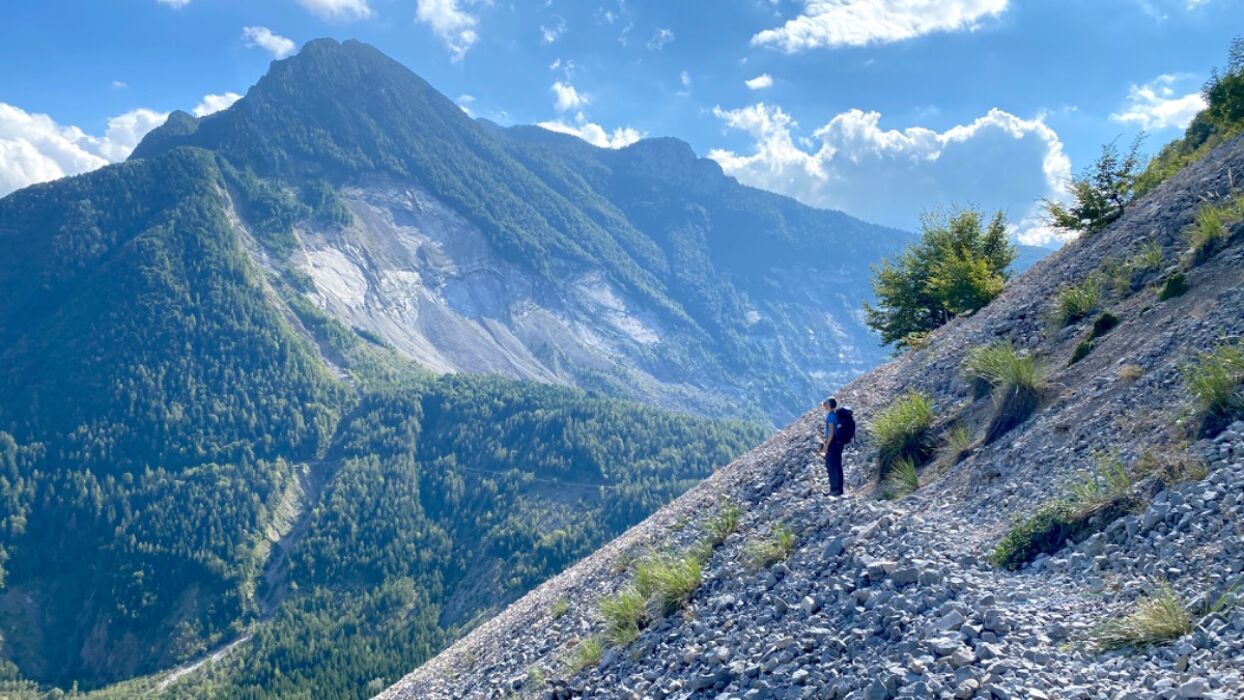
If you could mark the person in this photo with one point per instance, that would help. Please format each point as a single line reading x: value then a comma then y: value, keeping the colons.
x: 833, y: 446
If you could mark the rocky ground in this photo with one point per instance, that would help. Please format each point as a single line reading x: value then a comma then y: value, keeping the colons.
x: 884, y: 599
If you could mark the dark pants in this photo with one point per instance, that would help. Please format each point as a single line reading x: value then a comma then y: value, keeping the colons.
x: 833, y: 465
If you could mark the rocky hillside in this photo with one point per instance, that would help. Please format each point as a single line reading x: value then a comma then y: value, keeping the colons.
x: 867, y: 598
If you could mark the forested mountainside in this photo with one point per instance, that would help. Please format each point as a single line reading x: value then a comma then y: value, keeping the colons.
x: 643, y: 272
x: 1060, y: 513
x: 193, y: 453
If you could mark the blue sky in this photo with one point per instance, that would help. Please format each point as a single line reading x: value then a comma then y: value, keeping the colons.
x: 881, y: 108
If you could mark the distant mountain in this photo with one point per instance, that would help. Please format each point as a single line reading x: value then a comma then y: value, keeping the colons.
x: 644, y: 272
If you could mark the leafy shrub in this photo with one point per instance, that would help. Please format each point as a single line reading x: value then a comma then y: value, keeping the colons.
x: 1160, y: 617
x: 724, y: 523
x: 625, y: 613
x: 1082, y: 350
x: 1214, y: 380
x: 1018, y: 386
x: 903, y: 479
x: 1176, y: 285
x: 585, y: 654
x: 1101, y: 192
x: 903, y: 431
x: 776, y: 547
x: 1077, y: 301
x: 956, y: 267
x: 1103, y: 325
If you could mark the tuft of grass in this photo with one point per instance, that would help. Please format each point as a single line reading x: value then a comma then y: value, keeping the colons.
x: 1104, y: 323
x: 1109, y: 482
x: 1082, y: 350
x: 958, y: 443
x: 1078, y: 301
x: 667, y: 583
x: 984, y: 365
x: 1018, y: 386
x: 776, y: 547
x: 1214, y: 379
x: 1149, y: 257
x: 585, y: 654
x: 903, y: 479
x: 903, y: 431
x: 535, y: 676
x: 724, y: 523
x: 1176, y: 285
x: 1172, y: 464
x: 1131, y: 373
x: 1211, y: 229
x: 560, y: 607
x: 1158, y: 618
x: 625, y: 613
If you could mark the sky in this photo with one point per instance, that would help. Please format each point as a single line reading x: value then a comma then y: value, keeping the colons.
x: 884, y: 109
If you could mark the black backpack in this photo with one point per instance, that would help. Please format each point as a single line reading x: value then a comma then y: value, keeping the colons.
x: 845, y: 432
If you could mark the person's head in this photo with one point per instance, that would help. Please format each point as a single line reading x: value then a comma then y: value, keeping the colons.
x: 830, y: 404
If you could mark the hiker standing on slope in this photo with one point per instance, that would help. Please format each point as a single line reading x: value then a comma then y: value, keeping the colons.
x: 839, y: 430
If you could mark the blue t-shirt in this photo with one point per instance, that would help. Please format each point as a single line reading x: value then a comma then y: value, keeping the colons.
x: 831, y: 418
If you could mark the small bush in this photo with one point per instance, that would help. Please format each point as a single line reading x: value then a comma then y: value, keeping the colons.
x: 985, y: 365
x: 1082, y: 350
x: 903, y: 479
x: 1160, y: 617
x: 1077, y: 301
x: 1214, y: 379
x: 625, y: 613
x: 770, y: 550
x: 1176, y: 285
x: 1043, y: 532
x: 585, y: 655
x: 724, y: 523
x: 903, y: 431
x: 1019, y: 385
x: 1103, y: 325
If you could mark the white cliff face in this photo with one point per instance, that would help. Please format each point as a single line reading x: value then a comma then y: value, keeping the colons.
x: 415, y: 273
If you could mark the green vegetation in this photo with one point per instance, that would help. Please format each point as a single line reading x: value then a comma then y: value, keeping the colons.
x: 560, y: 607
x: 662, y: 584
x: 1222, y: 119
x: 1213, y: 224
x: 986, y: 366
x: 1077, y: 301
x: 1101, y: 193
x: 1014, y: 379
x: 1215, y: 378
x: 586, y: 654
x: 957, y: 443
x: 774, y: 548
x: 902, y: 479
x: 1088, y: 504
x: 1082, y: 350
x: 1172, y: 464
x: 904, y: 431
x: 1160, y: 617
x: 724, y: 523
x: 1176, y: 285
x: 956, y: 267
x: 624, y: 613
x: 1104, y: 323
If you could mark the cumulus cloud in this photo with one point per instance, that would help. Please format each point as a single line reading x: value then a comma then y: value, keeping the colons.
x: 834, y: 23
x: 662, y: 37
x: 338, y: 9
x: 568, y: 97
x: 210, y: 104
x: 891, y: 176
x: 451, y: 23
x: 594, y: 134
x: 760, y: 82
x: 1156, y: 105
x: 34, y: 148
x: 264, y: 38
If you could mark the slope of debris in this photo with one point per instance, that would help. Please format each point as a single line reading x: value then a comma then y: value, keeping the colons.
x: 882, y: 599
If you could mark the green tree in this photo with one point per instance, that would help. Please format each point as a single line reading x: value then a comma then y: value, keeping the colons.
x: 956, y: 267
x: 1102, y: 192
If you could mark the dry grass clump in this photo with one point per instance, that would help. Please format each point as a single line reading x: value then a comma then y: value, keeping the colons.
x: 774, y: 548
x: 1160, y: 617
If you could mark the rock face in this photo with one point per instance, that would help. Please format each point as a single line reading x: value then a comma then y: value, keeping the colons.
x: 898, y: 599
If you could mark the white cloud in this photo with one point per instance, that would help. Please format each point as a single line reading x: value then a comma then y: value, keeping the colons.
x: 594, y: 134
x: 888, y: 176
x: 34, y: 148
x: 119, y: 85
x: 1156, y: 105
x: 338, y: 9
x: 210, y: 104
x: 176, y: 4
x: 760, y: 82
x: 568, y: 97
x: 550, y: 33
x: 833, y: 23
x: 454, y: 26
x: 277, y: 45
x: 465, y: 102
x: 662, y: 37
x: 685, y: 78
